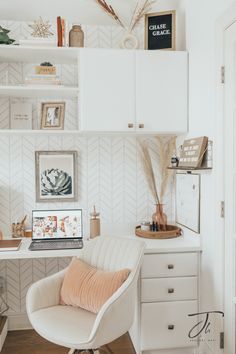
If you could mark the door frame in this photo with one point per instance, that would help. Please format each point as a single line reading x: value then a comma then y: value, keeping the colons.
x: 223, y: 23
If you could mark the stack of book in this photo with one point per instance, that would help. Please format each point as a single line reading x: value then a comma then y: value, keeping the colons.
x: 37, y: 79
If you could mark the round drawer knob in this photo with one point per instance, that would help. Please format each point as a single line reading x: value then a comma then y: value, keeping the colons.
x: 141, y: 126
x: 171, y: 327
x: 170, y: 266
x: 171, y: 291
x: 130, y: 125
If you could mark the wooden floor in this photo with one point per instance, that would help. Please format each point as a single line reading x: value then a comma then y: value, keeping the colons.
x: 29, y: 342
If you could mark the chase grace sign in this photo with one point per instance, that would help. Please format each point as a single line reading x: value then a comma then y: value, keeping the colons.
x: 160, y: 30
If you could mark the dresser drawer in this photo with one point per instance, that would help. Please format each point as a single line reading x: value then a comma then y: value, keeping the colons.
x: 167, y: 324
x: 169, y: 265
x: 169, y: 289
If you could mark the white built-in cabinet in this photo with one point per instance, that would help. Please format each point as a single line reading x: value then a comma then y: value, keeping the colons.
x: 144, y: 91
x: 113, y: 90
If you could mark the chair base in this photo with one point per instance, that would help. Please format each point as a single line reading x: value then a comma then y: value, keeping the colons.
x: 105, y: 350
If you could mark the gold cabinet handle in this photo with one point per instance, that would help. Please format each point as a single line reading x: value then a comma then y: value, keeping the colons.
x: 171, y: 327
x: 141, y: 126
x: 171, y: 291
x: 170, y: 266
x: 130, y: 125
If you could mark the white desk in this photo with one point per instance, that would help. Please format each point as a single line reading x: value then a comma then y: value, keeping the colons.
x: 190, y: 242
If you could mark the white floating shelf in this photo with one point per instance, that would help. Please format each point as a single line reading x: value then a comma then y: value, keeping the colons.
x: 11, y: 132
x: 39, y: 91
x: 34, y: 54
x: 38, y: 132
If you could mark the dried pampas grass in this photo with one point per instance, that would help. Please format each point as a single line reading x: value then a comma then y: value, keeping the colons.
x: 139, y: 12
x: 148, y: 170
x: 162, y: 177
x: 166, y: 151
x: 141, y: 9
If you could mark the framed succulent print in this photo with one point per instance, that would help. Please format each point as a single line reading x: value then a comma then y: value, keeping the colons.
x: 56, y: 176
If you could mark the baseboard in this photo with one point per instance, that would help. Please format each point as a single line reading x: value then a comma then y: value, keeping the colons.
x: 17, y: 322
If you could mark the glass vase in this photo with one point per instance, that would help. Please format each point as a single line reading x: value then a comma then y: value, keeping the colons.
x: 160, y: 218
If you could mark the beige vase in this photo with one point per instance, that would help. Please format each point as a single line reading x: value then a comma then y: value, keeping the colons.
x: 76, y: 36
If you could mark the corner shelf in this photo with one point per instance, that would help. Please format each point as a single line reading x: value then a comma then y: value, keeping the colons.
x: 190, y: 169
x: 39, y: 91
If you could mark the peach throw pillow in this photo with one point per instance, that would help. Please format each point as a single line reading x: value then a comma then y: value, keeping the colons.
x: 88, y: 287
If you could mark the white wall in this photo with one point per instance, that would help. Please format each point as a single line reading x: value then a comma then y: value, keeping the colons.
x: 201, y: 19
x: 83, y: 11
x: 86, y: 12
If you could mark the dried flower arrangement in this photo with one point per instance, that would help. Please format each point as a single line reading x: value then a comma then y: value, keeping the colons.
x: 139, y: 12
x: 158, y: 185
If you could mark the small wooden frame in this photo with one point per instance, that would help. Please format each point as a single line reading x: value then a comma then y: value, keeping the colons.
x: 52, y: 115
x: 160, y: 30
x: 171, y: 232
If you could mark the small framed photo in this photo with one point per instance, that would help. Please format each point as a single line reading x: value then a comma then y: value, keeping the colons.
x: 50, y: 224
x: 52, y: 115
x: 56, y: 176
x: 160, y: 29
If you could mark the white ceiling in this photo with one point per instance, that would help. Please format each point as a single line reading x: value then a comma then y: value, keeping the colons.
x: 78, y: 11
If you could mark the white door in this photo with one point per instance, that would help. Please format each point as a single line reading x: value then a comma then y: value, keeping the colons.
x: 162, y: 91
x: 230, y: 187
x: 107, y: 90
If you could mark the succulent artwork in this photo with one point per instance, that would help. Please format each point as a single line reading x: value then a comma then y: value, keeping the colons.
x: 4, y: 38
x: 41, y: 29
x: 55, y: 182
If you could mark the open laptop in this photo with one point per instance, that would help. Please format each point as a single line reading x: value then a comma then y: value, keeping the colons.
x: 56, y: 229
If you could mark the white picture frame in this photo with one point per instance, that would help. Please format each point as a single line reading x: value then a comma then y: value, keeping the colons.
x: 56, y: 176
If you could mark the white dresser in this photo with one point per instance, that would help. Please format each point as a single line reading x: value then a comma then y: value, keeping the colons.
x: 167, y: 294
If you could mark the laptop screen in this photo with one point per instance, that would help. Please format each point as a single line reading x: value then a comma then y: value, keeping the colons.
x: 57, y: 224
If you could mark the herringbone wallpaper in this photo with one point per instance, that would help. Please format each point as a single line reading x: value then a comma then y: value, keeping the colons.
x: 109, y: 172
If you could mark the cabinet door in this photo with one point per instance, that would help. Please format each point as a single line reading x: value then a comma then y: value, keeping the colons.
x: 162, y: 91
x: 107, y: 90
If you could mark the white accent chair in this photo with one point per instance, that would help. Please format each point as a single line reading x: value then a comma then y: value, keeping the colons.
x: 76, y: 328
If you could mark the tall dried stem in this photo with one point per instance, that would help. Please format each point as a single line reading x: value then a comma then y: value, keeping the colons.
x: 148, y: 170
x: 165, y: 153
x: 110, y: 11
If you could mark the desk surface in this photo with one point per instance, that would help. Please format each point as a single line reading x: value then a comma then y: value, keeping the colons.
x: 186, y: 243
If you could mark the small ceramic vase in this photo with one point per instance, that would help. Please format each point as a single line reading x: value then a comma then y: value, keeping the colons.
x: 129, y: 41
x: 76, y: 36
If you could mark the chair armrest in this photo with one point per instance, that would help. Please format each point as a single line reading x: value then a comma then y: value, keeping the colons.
x: 116, y: 316
x: 45, y: 292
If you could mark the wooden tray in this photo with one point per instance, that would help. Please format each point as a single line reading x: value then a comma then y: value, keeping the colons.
x: 172, y: 232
